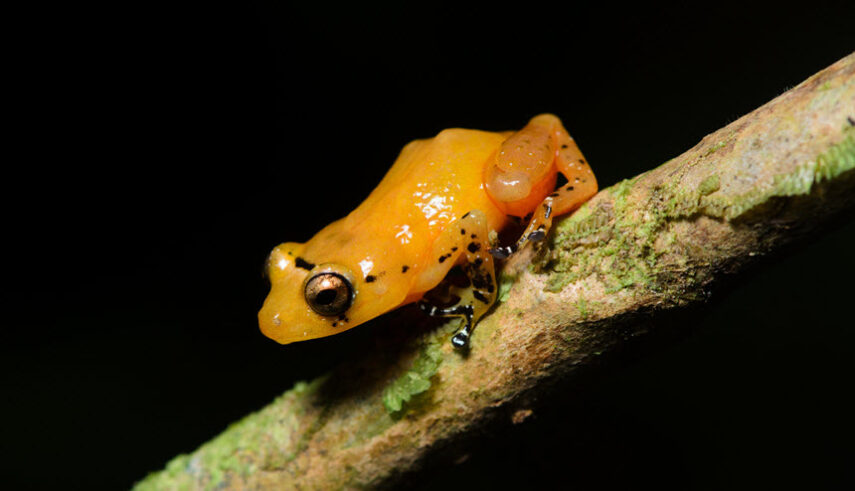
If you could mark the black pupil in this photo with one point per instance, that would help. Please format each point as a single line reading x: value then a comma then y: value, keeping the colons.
x: 326, y: 297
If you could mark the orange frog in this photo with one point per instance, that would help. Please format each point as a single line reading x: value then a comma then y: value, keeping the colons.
x: 434, y: 209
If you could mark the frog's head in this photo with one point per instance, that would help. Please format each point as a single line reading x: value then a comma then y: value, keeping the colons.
x: 308, y: 300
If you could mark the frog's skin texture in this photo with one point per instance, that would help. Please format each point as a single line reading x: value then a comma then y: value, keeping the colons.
x: 434, y: 209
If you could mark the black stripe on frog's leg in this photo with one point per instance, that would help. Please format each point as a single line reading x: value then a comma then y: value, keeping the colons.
x: 454, y: 310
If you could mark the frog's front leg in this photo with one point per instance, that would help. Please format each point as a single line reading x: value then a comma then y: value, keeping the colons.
x: 523, y: 177
x: 467, y: 239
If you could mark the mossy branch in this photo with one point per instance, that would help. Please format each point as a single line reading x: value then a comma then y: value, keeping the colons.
x: 640, y: 248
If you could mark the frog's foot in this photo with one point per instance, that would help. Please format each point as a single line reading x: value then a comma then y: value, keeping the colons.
x: 460, y: 339
x: 466, y: 243
x: 535, y: 232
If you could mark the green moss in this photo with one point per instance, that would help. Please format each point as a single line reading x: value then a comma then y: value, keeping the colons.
x: 415, y: 381
x: 171, y: 475
x: 709, y: 185
x: 626, y: 252
x: 620, y: 278
x: 620, y: 191
x: 716, y: 147
x: 838, y: 159
x: 582, y: 307
x: 558, y: 281
x: 237, y: 450
x: 584, y: 223
x: 506, y: 281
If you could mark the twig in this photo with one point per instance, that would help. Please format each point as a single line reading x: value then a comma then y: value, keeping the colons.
x: 640, y: 248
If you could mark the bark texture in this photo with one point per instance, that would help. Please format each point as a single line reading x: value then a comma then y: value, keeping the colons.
x: 635, y: 251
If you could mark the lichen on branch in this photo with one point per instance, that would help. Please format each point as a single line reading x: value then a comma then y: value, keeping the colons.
x: 648, y: 244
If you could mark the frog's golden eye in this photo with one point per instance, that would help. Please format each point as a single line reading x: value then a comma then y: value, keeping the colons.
x: 329, y: 293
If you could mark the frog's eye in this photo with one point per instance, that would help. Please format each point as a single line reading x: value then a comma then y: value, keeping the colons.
x: 329, y: 293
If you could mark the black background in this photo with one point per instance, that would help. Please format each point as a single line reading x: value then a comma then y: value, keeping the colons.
x: 160, y: 151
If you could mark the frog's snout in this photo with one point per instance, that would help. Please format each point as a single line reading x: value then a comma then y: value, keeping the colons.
x: 286, y: 324
x: 270, y: 323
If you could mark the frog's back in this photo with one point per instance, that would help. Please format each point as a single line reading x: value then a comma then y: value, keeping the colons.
x: 436, y: 179
x: 432, y: 184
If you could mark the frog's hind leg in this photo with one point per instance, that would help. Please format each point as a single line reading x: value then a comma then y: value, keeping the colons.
x: 465, y: 242
x: 581, y: 185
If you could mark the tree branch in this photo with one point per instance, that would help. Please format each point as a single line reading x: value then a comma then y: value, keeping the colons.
x: 636, y: 250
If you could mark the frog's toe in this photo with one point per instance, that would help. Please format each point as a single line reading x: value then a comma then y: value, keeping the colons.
x: 502, y: 252
x: 460, y: 340
x: 536, y: 236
